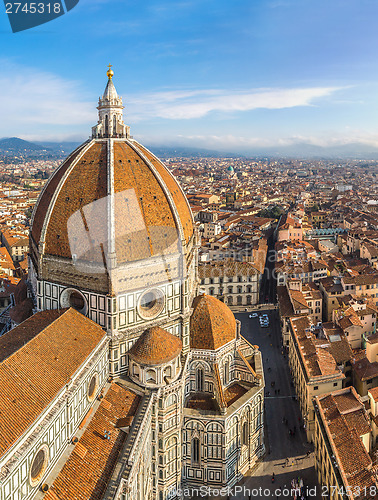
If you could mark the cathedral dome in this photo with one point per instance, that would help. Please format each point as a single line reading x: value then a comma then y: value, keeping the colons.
x: 147, y: 199
x: 155, y: 346
x: 110, y: 204
x: 212, y: 323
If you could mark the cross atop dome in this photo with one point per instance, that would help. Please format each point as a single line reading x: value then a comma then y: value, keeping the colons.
x: 110, y: 114
x: 110, y: 72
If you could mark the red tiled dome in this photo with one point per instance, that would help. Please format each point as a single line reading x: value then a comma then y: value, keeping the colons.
x: 151, y: 211
x: 212, y: 323
x: 155, y: 346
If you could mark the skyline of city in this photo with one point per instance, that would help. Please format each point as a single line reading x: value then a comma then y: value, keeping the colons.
x: 221, y: 76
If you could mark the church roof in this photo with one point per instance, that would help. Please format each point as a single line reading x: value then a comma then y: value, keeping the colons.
x: 155, y: 346
x: 212, y: 323
x: 94, y: 453
x: 37, y: 359
x: 149, y: 211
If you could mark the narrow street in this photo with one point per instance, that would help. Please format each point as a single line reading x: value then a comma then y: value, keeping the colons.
x: 268, y: 284
x: 286, y: 455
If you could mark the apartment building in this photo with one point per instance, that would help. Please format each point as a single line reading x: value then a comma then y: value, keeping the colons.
x: 235, y: 283
x: 298, y: 299
x: 313, y: 367
x: 343, y: 450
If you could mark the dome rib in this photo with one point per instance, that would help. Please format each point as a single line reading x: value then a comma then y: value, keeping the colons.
x: 155, y: 346
x: 83, y: 179
x: 48, y: 192
x: 212, y: 324
x: 178, y: 197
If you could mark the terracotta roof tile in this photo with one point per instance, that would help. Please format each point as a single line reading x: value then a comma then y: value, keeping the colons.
x: 86, y: 183
x: 155, y: 346
x: 87, y: 471
x: 212, y: 323
x: 51, y: 342
x: 346, y: 420
x: 47, y: 194
x: 233, y: 393
x: 177, y: 195
x: 147, y: 224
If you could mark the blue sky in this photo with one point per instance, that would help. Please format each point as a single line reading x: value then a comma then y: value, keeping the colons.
x: 221, y: 74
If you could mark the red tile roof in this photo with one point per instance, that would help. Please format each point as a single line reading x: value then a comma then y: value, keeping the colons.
x: 146, y: 227
x: 47, y: 194
x: 212, y: 323
x: 155, y: 346
x: 37, y: 359
x: 87, y: 471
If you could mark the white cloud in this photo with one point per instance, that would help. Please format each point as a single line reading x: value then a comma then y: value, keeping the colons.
x: 178, y: 105
x: 30, y: 98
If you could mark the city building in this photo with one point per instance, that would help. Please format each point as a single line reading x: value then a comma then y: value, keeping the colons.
x: 313, y: 366
x: 344, y: 456
x: 235, y: 283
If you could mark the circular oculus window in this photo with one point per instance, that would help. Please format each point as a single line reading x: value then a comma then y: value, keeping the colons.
x: 39, y: 465
x: 75, y: 299
x: 151, y: 303
x: 92, y: 387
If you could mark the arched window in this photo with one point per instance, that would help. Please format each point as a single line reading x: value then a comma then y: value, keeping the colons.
x: 106, y: 125
x: 195, y: 450
x: 114, y: 126
x: 230, y: 300
x: 245, y: 433
x: 150, y: 376
x: 167, y: 371
x: 240, y: 299
x: 249, y: 299
x: 211, y: 291
x: 199, y: 379
x: 226, y: 375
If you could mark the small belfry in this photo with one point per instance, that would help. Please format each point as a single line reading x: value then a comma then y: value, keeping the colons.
x: 110, y: 113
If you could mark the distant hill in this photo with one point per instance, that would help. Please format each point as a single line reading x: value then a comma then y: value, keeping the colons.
x: 16, y: 145
x: 160, y: 151
x: 186, y: 152
x: 60, y: 147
